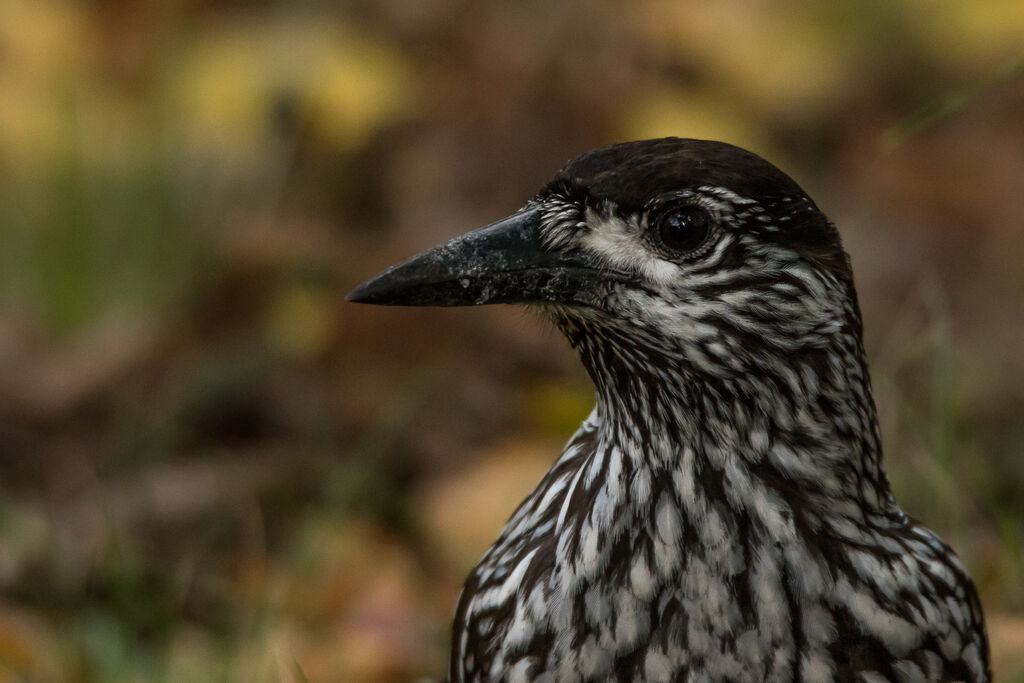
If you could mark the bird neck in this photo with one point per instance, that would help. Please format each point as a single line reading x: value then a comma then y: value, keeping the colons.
x: 806, y: 433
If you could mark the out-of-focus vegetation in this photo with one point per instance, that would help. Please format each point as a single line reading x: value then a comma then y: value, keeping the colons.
x: 212, y: 468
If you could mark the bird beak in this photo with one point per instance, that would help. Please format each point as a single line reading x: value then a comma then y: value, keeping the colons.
x: 500, y: 263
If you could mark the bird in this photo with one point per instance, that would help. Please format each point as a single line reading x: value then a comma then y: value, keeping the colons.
x: 723, y: 514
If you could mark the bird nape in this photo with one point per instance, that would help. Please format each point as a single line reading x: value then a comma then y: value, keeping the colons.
x: 723, y: 513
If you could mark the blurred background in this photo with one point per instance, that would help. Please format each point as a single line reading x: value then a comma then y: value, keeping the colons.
x: 213, y: 468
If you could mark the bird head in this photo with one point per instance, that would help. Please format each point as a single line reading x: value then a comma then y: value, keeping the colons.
x: 697, y: 250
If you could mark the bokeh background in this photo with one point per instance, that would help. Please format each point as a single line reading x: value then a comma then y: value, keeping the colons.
x: 213, y: 468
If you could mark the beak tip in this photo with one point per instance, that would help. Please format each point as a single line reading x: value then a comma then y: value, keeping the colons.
x: 385, y: 289
x: 373, y: 290
x: 362, y: 294
x: 353, y: 296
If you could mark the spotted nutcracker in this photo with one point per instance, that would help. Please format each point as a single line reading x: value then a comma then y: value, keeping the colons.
x: 723, y: 514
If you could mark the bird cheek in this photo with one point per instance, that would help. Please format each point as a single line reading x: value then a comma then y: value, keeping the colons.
x: 673, y: 315
x: 617, y: 243
x: 659, y: 272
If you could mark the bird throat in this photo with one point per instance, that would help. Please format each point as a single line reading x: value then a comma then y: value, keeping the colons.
x: 724, y: 502
x: 791, y: 450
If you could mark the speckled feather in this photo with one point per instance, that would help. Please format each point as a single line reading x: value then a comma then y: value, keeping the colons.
x: 723, y: 514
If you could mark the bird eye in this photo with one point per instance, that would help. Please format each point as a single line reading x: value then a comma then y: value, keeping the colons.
x: 685, y: 229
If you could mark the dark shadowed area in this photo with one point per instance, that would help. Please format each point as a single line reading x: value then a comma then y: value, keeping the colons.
x: 212, y: 467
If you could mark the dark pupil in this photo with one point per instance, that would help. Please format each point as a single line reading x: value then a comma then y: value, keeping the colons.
x: 684, y: 229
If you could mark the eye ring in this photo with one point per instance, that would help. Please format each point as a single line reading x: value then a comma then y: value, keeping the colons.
x: 683, y: 230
